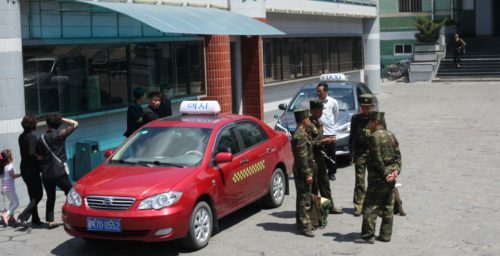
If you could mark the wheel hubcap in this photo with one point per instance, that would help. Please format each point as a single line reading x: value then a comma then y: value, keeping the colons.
x: 202, y: 224
x: 278, y: 188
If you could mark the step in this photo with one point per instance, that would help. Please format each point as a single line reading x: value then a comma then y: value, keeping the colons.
x: 465, y: 79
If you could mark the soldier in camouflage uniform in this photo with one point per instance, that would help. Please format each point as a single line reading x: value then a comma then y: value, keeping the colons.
x: 303, y: 171
x: 384, y: 165
x: 321, y: 179
x: 358, y: 146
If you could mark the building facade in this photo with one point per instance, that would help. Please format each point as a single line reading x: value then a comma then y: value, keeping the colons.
x: 470, y: 18
x: 84, y: 58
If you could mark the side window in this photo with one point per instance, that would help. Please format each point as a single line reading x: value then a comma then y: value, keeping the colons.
x: 228, y: 142
x: 251, y: 133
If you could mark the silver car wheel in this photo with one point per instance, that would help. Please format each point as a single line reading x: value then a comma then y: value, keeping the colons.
x: 202, y: 225
x: 278, y: 187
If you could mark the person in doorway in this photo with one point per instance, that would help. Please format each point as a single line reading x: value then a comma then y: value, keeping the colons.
x: 459, y: 49
x: 152, y: 112
x: 134, y: 112
x: 52, y: 149
x: 330, y: 113
x: 30, y: 171
x: 165, y: 104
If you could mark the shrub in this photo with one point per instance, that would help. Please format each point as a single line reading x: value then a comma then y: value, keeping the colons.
x: 428, y: 30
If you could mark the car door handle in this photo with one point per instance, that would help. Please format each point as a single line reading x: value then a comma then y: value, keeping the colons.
x: 269, y: 149
x: 244, y: 161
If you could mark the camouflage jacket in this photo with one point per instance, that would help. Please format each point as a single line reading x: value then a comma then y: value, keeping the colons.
x: 315, y: 131
x: 383, y: 155
x: 302, y: 154
x: 358, y: 136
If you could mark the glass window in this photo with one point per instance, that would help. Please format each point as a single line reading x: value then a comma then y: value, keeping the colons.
x: 165, y: 146
x: 345, y: 54
x: 410, y: 5
x: 228, y: 142
x: 251, y: 133
x: 272, y: 60
x: 344, y: 96
x: 333, y: 55
x: 77, y: 79
x: 403, y: 49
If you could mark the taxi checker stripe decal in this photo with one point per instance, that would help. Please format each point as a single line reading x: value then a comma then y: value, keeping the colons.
x: 248, y: 171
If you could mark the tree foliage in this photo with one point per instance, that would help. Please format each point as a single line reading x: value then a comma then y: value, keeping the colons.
x: 428, y: 30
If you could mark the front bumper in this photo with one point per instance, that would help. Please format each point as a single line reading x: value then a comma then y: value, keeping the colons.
x: 138, y: 225
x: 342, y: 144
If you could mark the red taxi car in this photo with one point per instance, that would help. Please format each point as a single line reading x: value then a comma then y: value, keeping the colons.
x: 175, y: 177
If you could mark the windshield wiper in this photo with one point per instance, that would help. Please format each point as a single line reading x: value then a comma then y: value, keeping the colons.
x: 121, y: 161
x: 162, y: 163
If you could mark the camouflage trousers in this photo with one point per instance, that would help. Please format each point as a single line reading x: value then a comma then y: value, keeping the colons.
x: 379, y: 198
x: 321, y: 182
x: 359, y: 184
x: 303, y: 204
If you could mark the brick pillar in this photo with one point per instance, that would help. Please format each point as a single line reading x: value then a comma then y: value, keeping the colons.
x: 252, y: 76
x: 219, y: 71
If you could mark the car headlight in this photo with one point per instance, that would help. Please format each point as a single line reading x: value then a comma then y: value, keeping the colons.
x: 74, y: 198
x: 159, y: 201
x: 345, y: 128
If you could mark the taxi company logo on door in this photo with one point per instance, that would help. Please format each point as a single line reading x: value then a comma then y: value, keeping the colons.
x: 250, y: 170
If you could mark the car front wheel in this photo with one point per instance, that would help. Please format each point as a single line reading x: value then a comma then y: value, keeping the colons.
x: 200, y: 227
x: 277, y: 188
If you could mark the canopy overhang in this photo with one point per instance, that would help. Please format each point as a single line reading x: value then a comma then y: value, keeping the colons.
x: 190, y: 20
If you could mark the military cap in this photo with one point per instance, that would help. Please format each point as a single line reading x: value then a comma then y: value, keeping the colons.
x: 301, y: 114
x: 316, y: 104
x: 366, y: 99
x: 376, y: 116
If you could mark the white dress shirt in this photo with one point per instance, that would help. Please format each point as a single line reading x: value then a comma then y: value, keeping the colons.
x: 330, y: 112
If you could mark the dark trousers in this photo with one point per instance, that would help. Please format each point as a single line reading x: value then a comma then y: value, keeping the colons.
x: 35, y: 191
x: 50, y: 188
x: 457, y: 56
x: 330, y: 151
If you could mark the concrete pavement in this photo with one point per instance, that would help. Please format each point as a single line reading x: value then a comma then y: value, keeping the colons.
x: 449, y: 135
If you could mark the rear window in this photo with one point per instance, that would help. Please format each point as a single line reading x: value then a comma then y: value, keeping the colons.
x: 344, y: 96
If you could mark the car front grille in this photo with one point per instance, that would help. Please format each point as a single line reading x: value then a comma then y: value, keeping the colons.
x: 109, y: 202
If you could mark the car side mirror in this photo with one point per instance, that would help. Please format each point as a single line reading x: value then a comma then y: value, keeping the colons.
x: 223, y: 157
x: 282, y: 106
x: 108, y: 153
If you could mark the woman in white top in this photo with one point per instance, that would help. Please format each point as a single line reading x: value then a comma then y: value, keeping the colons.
x: 8, y: 175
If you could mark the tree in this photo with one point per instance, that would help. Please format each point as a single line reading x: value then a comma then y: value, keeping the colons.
x: 428, y: 30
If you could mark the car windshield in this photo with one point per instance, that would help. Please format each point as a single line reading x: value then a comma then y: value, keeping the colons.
x: 40, y: 66
x: 344, y: 96
x: 165, y: 146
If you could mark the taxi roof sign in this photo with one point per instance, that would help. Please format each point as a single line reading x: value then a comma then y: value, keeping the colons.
x: 200, y: 107
x: 333, y: 77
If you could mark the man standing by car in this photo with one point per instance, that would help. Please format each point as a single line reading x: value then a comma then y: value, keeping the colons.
x: 303, y: 171
x: 152, y: 112
x: 321, y: 180
x: 384, y: 166
x: 330, y: 113
x: 358, y: 147
x: 134, y: 112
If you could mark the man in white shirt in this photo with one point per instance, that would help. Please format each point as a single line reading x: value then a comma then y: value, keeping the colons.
x: 330, y: 113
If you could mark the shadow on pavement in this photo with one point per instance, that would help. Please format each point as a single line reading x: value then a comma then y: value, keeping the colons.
x: 349, y: 237
x: 284, y: 214
x: 279, y: 227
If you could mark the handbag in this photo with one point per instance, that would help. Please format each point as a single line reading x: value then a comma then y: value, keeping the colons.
x: 66, y: 168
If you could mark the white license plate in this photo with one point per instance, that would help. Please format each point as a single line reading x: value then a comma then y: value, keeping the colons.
x: 102, y: 224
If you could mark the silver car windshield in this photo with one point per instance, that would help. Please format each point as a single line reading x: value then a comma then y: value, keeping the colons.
x: 167, y: 146
x: 344, y: 96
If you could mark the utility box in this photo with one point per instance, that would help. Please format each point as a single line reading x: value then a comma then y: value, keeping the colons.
x: 87, y: 157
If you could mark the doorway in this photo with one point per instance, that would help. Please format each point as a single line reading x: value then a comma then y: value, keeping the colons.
x: 496, y: 18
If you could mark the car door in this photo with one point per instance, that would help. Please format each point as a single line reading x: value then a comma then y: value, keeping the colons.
x: 258, y: 161
x: 230, y: 189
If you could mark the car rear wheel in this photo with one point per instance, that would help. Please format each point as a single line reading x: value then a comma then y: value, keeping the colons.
x: 277, y: 188
x: 200, y: 227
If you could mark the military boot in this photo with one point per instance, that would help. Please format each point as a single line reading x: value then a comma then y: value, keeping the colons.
x: 365, y: 241
x: 307, y: 233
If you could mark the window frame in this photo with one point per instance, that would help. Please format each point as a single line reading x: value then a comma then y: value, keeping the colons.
x: 410, y: 6
x: 403, y: 53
